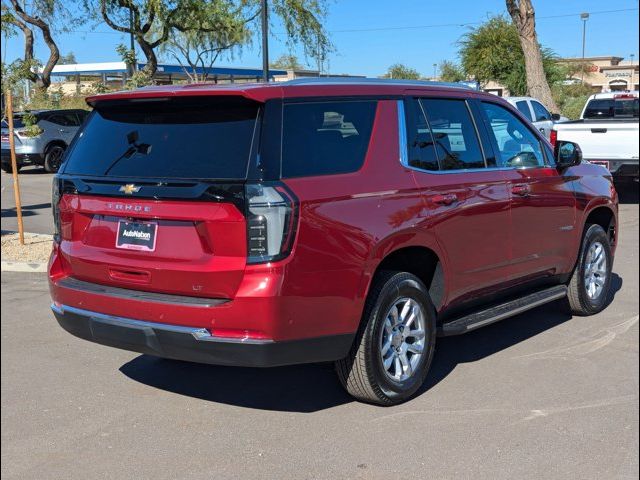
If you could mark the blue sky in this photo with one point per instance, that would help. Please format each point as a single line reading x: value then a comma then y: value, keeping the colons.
x: 371, y: 52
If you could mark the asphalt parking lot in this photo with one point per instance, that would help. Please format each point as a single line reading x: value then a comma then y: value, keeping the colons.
x: 542, y: 395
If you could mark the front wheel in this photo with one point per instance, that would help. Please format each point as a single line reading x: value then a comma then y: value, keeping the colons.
x: 392, y: 353
x: 591, y: 280
x: 53, y: 158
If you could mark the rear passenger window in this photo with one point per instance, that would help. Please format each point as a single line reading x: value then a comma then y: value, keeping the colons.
x: 523, y: 107
x: 454, y: 134
x: 325, y: 138
x: 64, y: 119
x: 422, y: 149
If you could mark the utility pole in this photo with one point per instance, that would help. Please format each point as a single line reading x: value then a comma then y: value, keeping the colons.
x: 584, y: 17
x: 14, y: 164
x: 265, y: 42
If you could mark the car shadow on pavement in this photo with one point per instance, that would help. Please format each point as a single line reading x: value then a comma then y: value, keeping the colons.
x: 27, y: 210
x: 310, y: 388
x: 298, y: 388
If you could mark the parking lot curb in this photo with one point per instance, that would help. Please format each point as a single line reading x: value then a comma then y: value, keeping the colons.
x: 23, y: 267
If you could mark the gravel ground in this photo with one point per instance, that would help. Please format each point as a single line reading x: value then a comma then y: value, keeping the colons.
x: 35, y: 250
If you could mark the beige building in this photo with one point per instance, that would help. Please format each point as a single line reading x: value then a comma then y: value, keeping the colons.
x: 604, y: 74
x: 607, y: 74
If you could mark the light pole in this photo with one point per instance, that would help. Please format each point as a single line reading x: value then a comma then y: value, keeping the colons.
x: 584, y: 17
x: 265, y: 42
x: 435, y: 72
x: 633, y: 85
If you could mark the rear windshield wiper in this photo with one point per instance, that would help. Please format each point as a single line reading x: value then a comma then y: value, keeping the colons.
x: 134, y: 147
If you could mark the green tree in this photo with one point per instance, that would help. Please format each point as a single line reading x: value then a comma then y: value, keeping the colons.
x: 154, y: 21
x: 451, y: 72
x: 68, y: 59
x: 400, y: 71
x: 287, y: 62
x: 47, y: 16
x: 492, y: 51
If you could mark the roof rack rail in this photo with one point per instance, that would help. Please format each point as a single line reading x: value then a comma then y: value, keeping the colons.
x: 372, y: 81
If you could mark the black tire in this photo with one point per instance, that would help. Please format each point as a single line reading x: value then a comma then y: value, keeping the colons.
x: 362, y: 372
x: 580, y: 302
x: 53, y: 158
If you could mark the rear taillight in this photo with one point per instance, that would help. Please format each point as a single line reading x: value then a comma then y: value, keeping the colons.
x: 271, y: 222
x: 553, y: 138
x: 56, y: 195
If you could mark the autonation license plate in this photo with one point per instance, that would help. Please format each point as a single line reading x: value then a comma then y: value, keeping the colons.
x: 137, y: 235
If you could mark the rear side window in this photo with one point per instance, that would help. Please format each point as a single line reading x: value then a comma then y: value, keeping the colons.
x: 63, y: 119
x: 324, y: 138
x: 612, y: 108
x: 198, y: 137
x: 454, y: 134
x: 523, y: 108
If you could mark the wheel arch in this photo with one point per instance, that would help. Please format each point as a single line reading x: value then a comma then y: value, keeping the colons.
x: 414, y: 254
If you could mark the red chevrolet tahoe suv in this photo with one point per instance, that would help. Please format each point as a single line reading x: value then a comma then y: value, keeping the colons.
x: 320, y: 220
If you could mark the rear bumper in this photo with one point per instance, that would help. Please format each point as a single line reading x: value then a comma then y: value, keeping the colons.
x: 197, y: 344
x: 620, y: 169
x: 22, y: 158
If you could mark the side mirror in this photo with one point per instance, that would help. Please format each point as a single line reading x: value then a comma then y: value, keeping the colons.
x: 556, y: 116
x: 567, y: 154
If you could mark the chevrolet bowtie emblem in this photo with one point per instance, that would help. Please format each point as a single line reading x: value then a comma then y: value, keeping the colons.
x: 129, y: 189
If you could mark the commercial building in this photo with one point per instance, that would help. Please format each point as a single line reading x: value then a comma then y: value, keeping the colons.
x: 606, y: 74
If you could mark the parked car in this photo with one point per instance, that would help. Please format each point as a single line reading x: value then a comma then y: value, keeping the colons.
x: 607, y: 133
x: 57, y: 129
x: 537, y: 114
x: 320, y: 220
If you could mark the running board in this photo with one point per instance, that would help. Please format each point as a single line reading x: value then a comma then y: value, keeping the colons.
x: 500, y: 312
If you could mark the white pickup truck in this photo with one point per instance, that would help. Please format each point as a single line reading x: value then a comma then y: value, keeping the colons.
x: 607, y: 133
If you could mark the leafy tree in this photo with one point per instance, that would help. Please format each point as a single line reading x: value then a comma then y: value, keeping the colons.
x: 524, y: 18
x: 492, y: 51
x: 46, y: 16
x: 451, y: 72
x: 200, y: 50
x: 400, y: 71
x: 287, y: 62
x: 68, y: 59
x: 154, y: 21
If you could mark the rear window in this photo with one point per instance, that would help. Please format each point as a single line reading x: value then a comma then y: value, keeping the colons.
x: 200, y: 138
x: 612, y: 108
x: 323, y: 138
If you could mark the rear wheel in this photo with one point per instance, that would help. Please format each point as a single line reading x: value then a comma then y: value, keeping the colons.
x: 591, y: 280
x: 53, y: 158
x: 393, y: 350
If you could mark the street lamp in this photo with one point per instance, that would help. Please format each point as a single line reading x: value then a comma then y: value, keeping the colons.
x: 265, y: 41
x: 435, y: 71
x: 584, y: 17
x: 633, y: 85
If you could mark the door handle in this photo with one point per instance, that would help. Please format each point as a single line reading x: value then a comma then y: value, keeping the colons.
x: 521, y: 190
x: 445, y: 199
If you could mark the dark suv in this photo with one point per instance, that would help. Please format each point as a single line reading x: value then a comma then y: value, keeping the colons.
x: 320, y: 220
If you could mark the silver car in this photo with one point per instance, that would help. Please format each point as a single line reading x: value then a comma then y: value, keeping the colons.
x: 58, y: 128
x: 536, y: 113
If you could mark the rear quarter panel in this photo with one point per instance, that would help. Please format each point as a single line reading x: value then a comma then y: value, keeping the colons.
x: 348, y: 223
